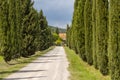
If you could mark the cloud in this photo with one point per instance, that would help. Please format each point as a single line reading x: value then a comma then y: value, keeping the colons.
x: 58, y: 12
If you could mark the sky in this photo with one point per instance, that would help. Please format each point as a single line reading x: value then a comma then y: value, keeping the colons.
x: 58, y: 12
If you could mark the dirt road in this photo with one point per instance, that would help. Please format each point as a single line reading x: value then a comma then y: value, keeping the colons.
x: 51, y: 66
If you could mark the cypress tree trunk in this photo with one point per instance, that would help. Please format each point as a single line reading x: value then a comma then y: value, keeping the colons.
x: 102, y: 33
x: 114, y: 39
x: 88, y: 31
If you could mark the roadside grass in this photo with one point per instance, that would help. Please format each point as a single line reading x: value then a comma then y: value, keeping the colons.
x: 1, y: 58
x: 80, y: 70
x: 6, y: 69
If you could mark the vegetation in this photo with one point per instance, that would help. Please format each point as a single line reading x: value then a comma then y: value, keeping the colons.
x: 23, y: 30
x: 88, y: 31
x: 94, y: 34
x: 80, y: 70
x: 102, y: 33
x: 114, y: 42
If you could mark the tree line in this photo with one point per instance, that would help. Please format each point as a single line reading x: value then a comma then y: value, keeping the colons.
x: 94, y: 34
x: 23, y: 30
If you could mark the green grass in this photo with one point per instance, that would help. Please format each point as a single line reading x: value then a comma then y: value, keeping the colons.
x: 1, y: 58
x: 80, y: 70
x: 6, y: 69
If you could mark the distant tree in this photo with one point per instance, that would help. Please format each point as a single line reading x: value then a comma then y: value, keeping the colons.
x: 57, y: 30
x: 67, y: 35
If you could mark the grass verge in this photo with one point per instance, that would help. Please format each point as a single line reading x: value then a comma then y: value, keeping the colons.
x: 80, y: 70
x: 6, y: 69
x: 1, y: 58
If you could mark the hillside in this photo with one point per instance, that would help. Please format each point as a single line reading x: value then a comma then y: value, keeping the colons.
x: 61, y: 30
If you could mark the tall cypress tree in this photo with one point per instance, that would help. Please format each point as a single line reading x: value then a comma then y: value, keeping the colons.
x: 28, y: 28
x: 43, y: 31
x: 88, y: 31
x: 95, y: 61
x: 18, y: 27
x: 4, y: 30
x: 81, y: 30
x: 12, y: 19
x: 74, y: 27
x: 102, y: 33
x: 114, y: 39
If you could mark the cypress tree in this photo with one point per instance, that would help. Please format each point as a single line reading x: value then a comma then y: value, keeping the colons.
x: 67, y: 35
x: 4, y: 30
x: 81, y: 30
x: 95, y: 61
x: 114, y: 39
x: 88, y: 31
x: 18, y: 28
x: 102, y: 33
x: 74, y: 27
x: 43, y: 31
x: 29, y: 23
x: 57, y: 31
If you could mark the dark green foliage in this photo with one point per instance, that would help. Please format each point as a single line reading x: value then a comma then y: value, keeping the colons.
x: 88, y: 31
x: 102, y: 35
x: 114, y: 39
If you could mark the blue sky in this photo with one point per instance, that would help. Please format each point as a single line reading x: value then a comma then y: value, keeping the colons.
x: 58, y: 12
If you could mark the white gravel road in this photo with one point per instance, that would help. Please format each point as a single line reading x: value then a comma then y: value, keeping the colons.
x: 51, y: 66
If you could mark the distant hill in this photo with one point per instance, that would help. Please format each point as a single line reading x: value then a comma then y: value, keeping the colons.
x: 61, y: 30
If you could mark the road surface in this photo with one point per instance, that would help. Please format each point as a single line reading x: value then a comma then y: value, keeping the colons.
x: 51, y: 66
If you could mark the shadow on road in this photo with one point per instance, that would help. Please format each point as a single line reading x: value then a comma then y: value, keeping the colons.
x: 24, y: 78
x: 23, y: 71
